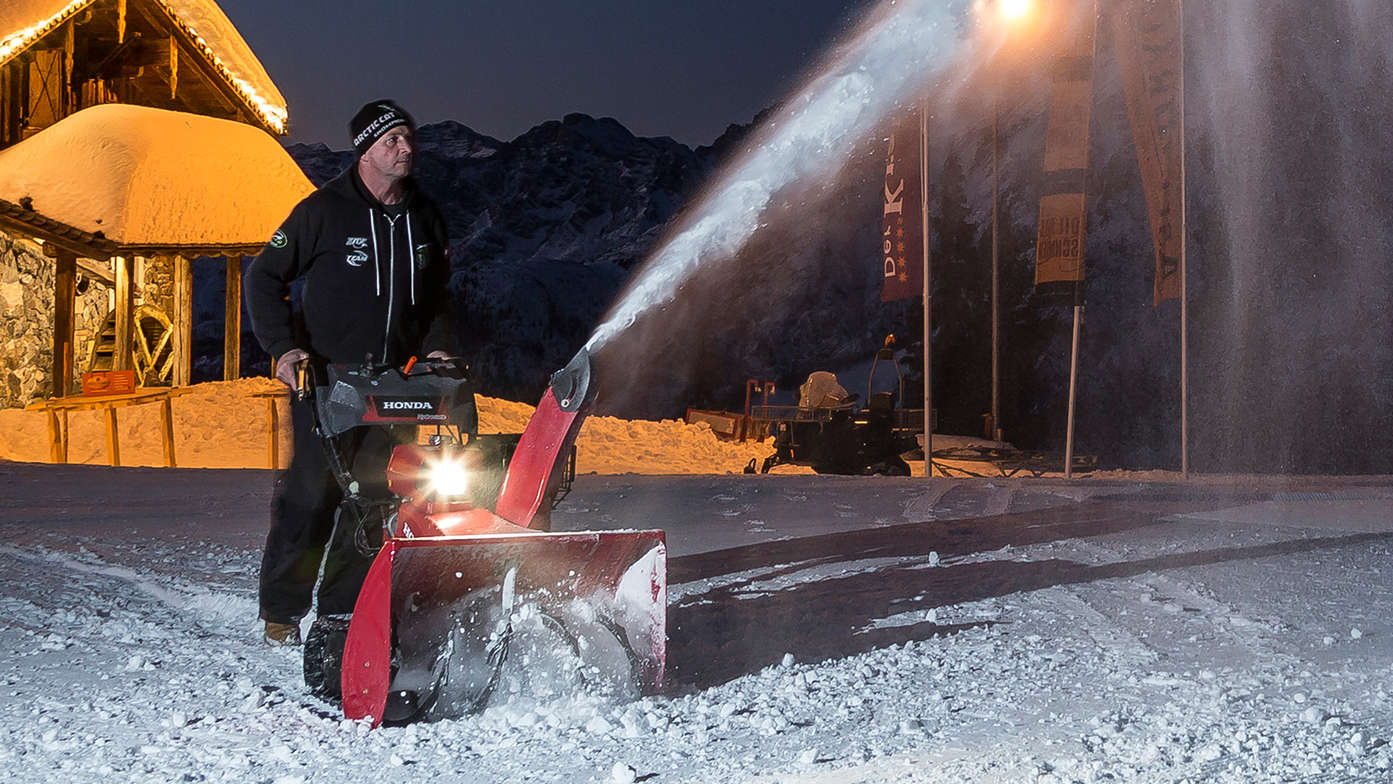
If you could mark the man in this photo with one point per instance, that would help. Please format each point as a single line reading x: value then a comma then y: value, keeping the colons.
x: 370, y: 249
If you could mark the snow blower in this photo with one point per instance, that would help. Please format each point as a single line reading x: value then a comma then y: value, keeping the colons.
x: 470, y: 601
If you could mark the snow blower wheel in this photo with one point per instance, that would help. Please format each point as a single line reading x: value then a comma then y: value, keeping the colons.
x: 323, y: 658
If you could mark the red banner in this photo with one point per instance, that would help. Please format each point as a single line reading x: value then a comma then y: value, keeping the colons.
x: 1059, y: 243
x: 901, y: 247
x: 1149, y: 53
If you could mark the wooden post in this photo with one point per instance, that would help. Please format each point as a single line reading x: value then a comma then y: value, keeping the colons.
x: 274, y: 415
x: 183, y: 321
x: 64, y: 282
x: 55, y: 438
x: 125, y: 313
x: 167, y: 420
x: 69, y: 51
x: 113, y: 448
x: 173, y: 68
x: 232, y: 324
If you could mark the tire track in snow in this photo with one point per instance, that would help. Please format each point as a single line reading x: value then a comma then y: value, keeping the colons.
x: 207, y: 605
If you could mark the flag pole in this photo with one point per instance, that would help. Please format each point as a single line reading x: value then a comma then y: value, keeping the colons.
x: 1184, y: 292
x: 995, y: 434
x: 1078, y: 289
x: 928, y: 288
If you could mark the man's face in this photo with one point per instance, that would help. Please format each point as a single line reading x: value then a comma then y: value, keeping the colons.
x: 390, y: 155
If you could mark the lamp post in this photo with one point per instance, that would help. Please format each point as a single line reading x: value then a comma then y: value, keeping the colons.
x: 1011, y: 13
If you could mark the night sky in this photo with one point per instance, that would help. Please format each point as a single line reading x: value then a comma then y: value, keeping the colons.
x: 684, y: 69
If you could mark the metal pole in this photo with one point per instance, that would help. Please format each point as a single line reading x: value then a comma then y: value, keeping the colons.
x: 1078, y: 309
x: 996, y: 281
x: 1184, y: 293
x: 928, y: 288
x: 1073, y: 386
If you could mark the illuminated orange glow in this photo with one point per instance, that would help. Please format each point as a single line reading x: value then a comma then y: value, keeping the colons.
x: 273, y: 113
x: 1014, y: 10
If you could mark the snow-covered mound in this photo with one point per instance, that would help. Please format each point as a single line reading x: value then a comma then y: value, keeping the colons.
x: 143, y: 176
x: 226, y: 424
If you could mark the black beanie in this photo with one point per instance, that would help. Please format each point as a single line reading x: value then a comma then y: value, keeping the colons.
x: 374, y: 120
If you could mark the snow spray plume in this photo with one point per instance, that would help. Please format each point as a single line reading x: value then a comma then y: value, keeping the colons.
x: 1292, y: 230
x: 905, y: 43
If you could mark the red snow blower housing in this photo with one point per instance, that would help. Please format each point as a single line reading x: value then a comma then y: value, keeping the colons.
x: 468, y: 601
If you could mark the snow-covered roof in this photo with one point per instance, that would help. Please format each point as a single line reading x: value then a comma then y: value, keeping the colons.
x: 24, y: 21
x: 151, y: 177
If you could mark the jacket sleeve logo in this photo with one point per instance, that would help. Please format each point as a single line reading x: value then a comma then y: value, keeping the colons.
x: 278, y: 239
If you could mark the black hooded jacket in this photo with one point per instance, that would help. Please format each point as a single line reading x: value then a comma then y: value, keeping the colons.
x: 375, y: 277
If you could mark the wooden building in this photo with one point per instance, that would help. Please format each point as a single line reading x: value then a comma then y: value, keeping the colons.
x: 58, y: 57
x: 112, y: 205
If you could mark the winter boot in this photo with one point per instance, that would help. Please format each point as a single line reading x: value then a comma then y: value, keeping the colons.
x: 279, y: 634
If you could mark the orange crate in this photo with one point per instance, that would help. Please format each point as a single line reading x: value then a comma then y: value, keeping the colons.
x: 108, y: 382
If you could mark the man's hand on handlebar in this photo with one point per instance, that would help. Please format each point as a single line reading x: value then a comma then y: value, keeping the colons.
x: 288, y: 365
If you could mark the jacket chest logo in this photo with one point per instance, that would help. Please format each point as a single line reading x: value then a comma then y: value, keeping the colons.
x: 357, y: 253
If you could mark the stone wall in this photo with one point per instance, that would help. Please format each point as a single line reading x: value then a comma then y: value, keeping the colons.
x: 91, y: 306
x: 26, y: 321
x: 156, y: 283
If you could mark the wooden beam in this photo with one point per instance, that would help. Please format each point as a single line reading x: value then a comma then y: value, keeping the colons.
x: 183, y: 321
x: 167, y: 431
x: 125, y: 313
x: 69, y: 52
x: 173, y: 68
x: 273, y: 417
x: 56, y: 452
x: 113, y: 441
x: 120, y: 21
x: 64, y: 287
x: 232, y: 321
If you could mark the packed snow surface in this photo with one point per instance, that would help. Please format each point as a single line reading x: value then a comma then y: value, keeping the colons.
x: 821, y: 629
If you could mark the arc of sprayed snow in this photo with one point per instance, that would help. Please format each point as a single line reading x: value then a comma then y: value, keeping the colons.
x: 892, y: 55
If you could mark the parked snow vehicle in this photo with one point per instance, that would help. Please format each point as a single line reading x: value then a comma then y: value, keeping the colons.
x: 830, y: 433
x: 468, y: 598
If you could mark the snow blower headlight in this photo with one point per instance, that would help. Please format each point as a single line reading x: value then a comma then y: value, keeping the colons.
x: 448, y: 479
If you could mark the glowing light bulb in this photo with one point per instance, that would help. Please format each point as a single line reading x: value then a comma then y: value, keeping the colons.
x: 448, y: 478
x: 1014, y: 10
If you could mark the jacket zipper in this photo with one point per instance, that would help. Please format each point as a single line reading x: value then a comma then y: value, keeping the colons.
x: 391, y: 281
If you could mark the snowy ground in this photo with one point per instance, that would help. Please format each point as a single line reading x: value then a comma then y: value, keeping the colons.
x: 821, y: 629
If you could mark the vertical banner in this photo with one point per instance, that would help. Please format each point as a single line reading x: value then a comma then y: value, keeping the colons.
x: 1059, y: 243
x: 901, y: 248
x: 1148, y: 52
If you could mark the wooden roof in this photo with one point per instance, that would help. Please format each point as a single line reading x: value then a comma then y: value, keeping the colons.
x: 209, y: 31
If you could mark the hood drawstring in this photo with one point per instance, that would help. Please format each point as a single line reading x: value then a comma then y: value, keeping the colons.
x: 411, y: 256
x: 376, y: 263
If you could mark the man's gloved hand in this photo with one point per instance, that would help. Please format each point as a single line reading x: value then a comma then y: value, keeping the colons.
x: 438, y: 354
x: 286, y: 364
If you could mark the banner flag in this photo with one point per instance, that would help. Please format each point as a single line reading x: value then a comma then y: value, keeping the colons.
x: 1148, y: 52
x: 901, y: 247
x: 1059, y: 243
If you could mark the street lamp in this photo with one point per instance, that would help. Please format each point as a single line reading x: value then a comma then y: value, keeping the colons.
x: 1011, y: 13
x: 1014, y: 10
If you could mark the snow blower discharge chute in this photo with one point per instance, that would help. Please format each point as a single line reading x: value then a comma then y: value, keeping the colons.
x: 467, y: 599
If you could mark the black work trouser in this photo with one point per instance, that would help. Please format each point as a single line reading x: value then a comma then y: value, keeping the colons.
x: 303, y: 532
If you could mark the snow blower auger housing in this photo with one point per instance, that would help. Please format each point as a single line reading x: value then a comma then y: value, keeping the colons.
x: 465, y: 603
